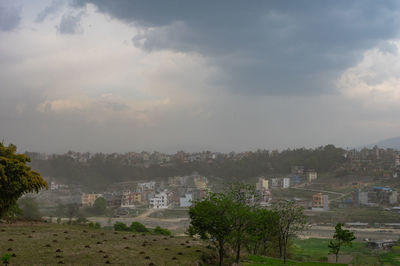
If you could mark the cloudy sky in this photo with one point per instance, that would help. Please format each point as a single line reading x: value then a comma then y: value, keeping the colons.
x: 122, y: 75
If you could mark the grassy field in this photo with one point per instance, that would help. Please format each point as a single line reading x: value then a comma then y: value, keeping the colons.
x: 73, y: 244
x: 258, y: 260
x: 317, y: 249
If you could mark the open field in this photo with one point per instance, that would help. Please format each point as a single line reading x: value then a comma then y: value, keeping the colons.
x: 51, y: 244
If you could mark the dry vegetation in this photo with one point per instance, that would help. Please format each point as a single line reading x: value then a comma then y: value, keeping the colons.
x: 72, y: 244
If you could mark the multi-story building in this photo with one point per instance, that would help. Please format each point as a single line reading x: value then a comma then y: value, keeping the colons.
x: 89, y: 199
x: 159, y: 201
x: 320, y: 202
x: 130, y: 198
x: 186, y: 201
x: 311, y: 176
x: 262, y: 184
x: 286, y: 182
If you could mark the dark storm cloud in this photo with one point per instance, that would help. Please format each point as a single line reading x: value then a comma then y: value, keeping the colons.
x: 9, y: 17
x: 264, y: 47
x: 70, y: 24
x: 54, y: 6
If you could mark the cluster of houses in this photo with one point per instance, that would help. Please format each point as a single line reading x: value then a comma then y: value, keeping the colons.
x: 375, y: 196
x: 179, y: 191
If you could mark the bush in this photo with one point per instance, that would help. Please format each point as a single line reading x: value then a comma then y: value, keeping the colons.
x: 6, y: 258
x: 94, y: 225
x: 138, y: 227
x: 118, y: 226
x: 81, y: 220
x: 162, y: 231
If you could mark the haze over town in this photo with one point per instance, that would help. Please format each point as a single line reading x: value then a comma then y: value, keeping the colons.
x: 118, y: 76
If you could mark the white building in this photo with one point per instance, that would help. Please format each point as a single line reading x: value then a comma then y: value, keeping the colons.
x: 286, y: 182
x: 312, y: 175
x: 275, y: 182
x: 146, y: 186
x: 159, y: 201
x: 186, y: 201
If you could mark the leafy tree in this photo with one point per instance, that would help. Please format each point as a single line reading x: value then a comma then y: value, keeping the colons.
x: 291, y: 221
x: 211, y: 218
x: 16, y: 178
x: 342, y: 237
x: 138, y: 227
x: 244, y: 199
x: 262, y: 231
x: 13, y: 212
x: 119, y: 226
x: 100, y: 206
x: 162, y: 231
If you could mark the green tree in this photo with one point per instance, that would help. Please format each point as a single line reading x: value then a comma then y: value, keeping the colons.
x: 244, y: 199
x: 262, y: 232
x: 291, y: 221
x: 138, y: 227
x: 342, y: 237
x: 100, y: 206
x: 211, y: 218
x: 16, y: 178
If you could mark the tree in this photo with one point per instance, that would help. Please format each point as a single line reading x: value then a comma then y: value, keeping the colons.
x: 16, y: 178
x: 262, y: 231
x: 72, y: 210
x: 342, y: 237
x: 211, y: 218
x: 100, y: 206
x: 244, y: 199
x: 291, y: 221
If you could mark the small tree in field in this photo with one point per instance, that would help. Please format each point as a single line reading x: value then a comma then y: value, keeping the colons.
x: 342, y: 237
x: 291, y: 221
x: 211, y: 218
x: 16, y: 178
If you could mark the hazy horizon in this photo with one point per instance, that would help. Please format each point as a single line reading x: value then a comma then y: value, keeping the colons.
x: 118, y: 76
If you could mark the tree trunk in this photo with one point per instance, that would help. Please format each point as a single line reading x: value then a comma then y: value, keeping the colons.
x: 238, y: 253
x: 221, y: 252
x: 337, y: 255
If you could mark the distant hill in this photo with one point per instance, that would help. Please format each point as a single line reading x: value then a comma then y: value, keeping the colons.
x: 393, y: 143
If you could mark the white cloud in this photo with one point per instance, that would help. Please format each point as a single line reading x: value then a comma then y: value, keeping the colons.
x: 375, y: 80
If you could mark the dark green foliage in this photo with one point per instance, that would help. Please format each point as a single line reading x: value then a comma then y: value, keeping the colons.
x: 162, y: 231
x: 290, y: 222
x: 6, y: 258
x: 211, y: 218
x: 99, y: 206
x: 16, y: 178
x: 119, y: 226
x: 342, y: 237
x: 13, y: 212
x: 138, y: 227
x: 103, y: 169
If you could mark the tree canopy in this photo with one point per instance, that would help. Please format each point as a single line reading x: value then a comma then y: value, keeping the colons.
x: 16, y: 177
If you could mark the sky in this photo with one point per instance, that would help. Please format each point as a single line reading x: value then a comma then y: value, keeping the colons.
x: 125, y: 75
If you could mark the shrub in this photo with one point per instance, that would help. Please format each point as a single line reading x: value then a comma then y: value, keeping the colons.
x: 138, y: 227
x: 118, y: 226
x: 59, y: 220
x: 6, y: 258
x: 162, y: 231
x: 81, y: 220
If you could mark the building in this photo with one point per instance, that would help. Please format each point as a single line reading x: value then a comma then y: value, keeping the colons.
x: 286, y: 182
x: 311, y: 176
x: 146, y: 186
x: 130, y: 198
x: 159, y: 201
x: 186, y: 201
x: 262, y: 184
x: 320, y: 202
x: 89, y: 199
x: 276, y: 182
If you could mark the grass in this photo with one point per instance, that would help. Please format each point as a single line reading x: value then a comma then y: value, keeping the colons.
x: 73, y: 244
x: 259, y: 260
